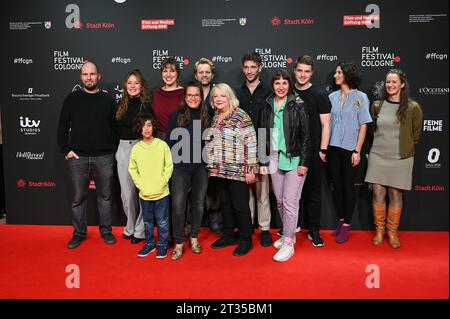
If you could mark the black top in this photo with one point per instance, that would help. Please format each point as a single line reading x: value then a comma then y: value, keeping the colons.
x: 316, y: 103
x: 125, y: 124
x: 187, y: 154
x: 86, y: 124
x: 253, y: 103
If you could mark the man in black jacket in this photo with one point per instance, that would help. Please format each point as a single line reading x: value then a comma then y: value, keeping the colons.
x: 86, y: 138
x: 252, y: 96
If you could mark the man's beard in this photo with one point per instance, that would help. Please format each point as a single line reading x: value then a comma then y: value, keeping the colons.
x: 90, y: 87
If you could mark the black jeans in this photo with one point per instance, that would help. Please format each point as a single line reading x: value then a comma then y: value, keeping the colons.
x: 183, y: 181
x: 311, y: 201
x: 343, y: 176
x: 234, y: 199
x: 101, y: 168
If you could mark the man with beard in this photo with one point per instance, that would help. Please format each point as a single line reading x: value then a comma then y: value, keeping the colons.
x: 86, y: 138
x: 252, y: 98
x: 204, y: 71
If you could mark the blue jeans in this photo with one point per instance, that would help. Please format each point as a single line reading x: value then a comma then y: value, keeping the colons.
x: 101, y: 168
x: 159, y: 210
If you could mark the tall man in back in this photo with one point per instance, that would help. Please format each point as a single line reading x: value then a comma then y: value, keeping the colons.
x: 318, y: 107
x: 252, y: 98
x: 87, y: 139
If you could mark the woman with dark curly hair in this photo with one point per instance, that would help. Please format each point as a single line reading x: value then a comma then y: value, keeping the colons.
x: 398, y: 123
x: 349, y: 118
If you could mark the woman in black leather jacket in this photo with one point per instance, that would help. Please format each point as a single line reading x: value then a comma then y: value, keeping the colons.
x: 286, y: 135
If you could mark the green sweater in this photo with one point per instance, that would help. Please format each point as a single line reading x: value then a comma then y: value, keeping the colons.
x: 410, y: 129
x: 150, y: 168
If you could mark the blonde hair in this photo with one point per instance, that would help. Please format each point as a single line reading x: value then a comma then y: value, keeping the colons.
x: 225, y: 88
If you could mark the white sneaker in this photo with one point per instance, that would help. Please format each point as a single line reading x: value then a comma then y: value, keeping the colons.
x: 285, y: 252
x: 280, y: 241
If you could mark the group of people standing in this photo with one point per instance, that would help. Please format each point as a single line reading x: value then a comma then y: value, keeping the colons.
x: 206, y: 147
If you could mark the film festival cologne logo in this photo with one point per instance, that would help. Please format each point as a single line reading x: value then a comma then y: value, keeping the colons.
x: 159, y: 55
x: 373, y: 56
x: 64, y: 61
x: 272, y: 59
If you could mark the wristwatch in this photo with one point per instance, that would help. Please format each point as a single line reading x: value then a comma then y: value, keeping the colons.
x: 355, y: 151
x: 323, y: 150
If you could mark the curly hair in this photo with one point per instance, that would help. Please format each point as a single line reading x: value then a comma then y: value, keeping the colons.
x: 351, y: 74
x: 139, y: 123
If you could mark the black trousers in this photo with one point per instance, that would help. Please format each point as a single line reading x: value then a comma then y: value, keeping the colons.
x: 182, y: 182
x: 311, y: 201
x: 343, y: 176
x: 234, y: 199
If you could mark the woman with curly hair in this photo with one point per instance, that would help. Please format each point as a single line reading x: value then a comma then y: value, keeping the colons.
x: 349, y: 118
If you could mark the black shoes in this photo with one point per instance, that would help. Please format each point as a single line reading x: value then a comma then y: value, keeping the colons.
x: 224, y: 242
x: 75, y: 242
x: 109, y: 238
x: 127, y: 236
x: 315, y: 238
x: 243, y: 248
x: 136, y: 240
x: 266, y: 238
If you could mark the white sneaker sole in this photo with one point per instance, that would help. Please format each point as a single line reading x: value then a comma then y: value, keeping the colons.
x: 284, y: 259
x: 310, y: 238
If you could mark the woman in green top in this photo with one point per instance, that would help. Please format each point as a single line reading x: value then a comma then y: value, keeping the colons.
x: 398, y: 122
x: 286, y: 125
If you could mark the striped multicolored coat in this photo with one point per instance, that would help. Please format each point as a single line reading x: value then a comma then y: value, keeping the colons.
x: 232, y: 147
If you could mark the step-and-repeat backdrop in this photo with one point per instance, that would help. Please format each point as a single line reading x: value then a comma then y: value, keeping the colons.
x: 45, y: 43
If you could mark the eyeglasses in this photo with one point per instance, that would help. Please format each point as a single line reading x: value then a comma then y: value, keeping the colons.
x: 192, y: 96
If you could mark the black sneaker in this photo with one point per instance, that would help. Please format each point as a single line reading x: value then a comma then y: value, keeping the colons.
x: 243, y: 248
x: 266, y: 239
x: 75, y: 242
x: 136, y: 240
x: 315, y: 238
x: 109, y: 238
x: 223, y: 242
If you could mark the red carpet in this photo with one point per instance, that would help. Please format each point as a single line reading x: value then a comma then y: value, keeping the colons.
x: 34, y: 259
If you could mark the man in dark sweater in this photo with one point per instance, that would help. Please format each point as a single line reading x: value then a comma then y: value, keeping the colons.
x: 86, y: 137
x: 318, y: 107
x: 252, y: 99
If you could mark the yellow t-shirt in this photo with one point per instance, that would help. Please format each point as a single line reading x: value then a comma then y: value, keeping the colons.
x: 150, y: 168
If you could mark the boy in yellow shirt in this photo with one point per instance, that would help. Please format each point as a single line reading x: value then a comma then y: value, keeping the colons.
x: 150, y: 168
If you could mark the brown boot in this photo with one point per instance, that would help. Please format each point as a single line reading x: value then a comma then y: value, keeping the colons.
x: 394, y: 214
x: 379, y: 219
